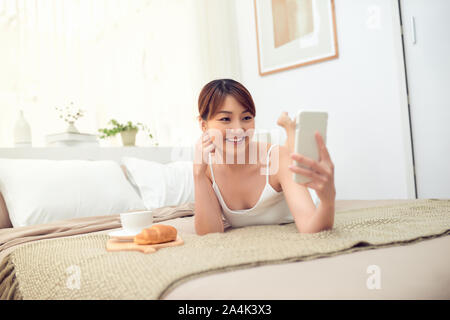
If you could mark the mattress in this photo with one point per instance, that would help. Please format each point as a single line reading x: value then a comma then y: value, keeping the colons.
x: 412, y: 270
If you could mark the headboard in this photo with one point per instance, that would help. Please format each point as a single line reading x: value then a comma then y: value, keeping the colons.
x: 158, y: 154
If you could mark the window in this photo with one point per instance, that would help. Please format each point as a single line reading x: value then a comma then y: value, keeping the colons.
x: 140, y: 60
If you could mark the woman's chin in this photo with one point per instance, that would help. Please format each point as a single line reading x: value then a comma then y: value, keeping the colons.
x: 234, y: 148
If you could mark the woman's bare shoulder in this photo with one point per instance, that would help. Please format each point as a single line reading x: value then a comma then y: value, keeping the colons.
x: 279, y: 155
x: 276, y: 149
x: 263, y: 145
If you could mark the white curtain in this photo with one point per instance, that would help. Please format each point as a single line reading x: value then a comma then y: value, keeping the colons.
x: 140, y: 60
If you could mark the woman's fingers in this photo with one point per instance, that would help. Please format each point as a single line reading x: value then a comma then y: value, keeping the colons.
x: 313, y: 185
x: 207, y: 139
x: 204, y: 147
x: 307, y: 173
x: 323, y: 151
x: 314, y: 165
x: 209, y: 142
x: 206, y: 152
x: 316, y: 183
x: 208, y: 145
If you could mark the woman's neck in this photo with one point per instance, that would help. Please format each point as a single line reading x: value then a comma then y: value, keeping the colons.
x: 236, y: 162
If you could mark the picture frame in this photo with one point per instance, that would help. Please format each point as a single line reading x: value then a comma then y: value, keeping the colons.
x: 294, y: 33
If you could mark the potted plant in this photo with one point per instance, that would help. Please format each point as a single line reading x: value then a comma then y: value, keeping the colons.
x: 127, y: 131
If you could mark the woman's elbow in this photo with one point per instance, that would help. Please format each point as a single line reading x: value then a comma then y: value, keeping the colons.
x: 204, y: 231
x: 314, y: 229
x: 200, y: 232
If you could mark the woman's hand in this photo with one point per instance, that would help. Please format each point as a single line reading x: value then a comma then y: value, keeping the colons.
x: 321, y: 172
x: 203, y: 147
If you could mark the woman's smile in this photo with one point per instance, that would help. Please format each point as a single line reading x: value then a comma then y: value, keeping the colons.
x: 236, y: 140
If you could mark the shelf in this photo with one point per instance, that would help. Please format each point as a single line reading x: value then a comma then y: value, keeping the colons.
x: 159, y: 153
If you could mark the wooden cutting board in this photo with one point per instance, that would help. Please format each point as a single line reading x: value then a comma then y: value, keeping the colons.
x: 121, y: 245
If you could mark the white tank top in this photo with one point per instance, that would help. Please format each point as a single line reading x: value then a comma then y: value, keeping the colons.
x: 271, y: 207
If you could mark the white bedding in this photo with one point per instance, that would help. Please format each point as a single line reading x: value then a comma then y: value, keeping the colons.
x: 38, y: 191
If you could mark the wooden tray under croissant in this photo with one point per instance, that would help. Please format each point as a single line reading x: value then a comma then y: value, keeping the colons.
x: 121, y: 245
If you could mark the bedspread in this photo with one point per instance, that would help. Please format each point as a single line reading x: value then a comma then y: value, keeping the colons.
x: 79, y: 267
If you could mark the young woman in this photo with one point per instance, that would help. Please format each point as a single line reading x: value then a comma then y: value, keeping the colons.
x: 250, y: 192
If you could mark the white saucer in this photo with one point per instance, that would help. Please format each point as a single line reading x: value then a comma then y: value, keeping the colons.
x: 123, y: 234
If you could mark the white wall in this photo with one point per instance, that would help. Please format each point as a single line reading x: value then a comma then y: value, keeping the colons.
x: 364, y: 92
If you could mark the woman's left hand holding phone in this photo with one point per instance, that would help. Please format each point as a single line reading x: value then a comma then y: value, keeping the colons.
x: 321, y: 172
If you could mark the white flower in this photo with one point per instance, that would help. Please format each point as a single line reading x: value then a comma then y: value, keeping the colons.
x: 70, y: 113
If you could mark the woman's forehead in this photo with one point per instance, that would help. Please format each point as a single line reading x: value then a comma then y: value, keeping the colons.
x: 230, y: 102
x: 231, y: 105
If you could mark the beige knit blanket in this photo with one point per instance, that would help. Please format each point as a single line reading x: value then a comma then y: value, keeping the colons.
x: 80, y: 267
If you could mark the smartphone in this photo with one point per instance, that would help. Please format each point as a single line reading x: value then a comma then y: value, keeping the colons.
x: 307, y: 123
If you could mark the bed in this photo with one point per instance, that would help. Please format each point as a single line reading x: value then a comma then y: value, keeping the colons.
x: 378, y: 249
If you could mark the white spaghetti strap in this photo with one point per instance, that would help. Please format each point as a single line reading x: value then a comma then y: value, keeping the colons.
x: 210, y: 167
x: 267, y: 163
x: 271, y: 207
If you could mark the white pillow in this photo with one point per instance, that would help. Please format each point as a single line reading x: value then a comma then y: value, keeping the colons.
x: 41, y: 191
x: 161, y: 185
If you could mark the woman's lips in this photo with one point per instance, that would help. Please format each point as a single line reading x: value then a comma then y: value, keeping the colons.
x: 236, y: 140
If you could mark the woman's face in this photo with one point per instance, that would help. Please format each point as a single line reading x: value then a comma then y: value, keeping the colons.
x: 232, y: 125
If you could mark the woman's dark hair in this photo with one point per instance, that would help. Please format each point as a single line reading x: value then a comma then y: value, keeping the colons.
x: 214, y: 93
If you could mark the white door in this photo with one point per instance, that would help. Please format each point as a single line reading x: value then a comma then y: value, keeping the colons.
x: 426, y: 38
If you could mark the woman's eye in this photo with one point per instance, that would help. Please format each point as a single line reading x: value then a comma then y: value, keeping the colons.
x: 228, y: 119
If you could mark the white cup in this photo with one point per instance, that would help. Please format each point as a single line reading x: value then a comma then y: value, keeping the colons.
x: 134, y: 222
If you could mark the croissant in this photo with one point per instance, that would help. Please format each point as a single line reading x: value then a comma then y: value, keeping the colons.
x: 157, y: 233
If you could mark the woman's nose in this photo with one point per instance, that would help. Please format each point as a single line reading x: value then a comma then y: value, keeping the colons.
x: 235, y: 131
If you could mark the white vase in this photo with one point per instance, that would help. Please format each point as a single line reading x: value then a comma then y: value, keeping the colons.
x: 22, y: 132
x: 71, y: 128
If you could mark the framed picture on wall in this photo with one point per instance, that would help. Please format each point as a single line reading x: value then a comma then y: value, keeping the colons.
x: 294, y: 33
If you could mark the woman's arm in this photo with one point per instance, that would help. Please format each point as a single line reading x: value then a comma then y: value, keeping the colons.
x: 308, y: 218
x: 208, y: 213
